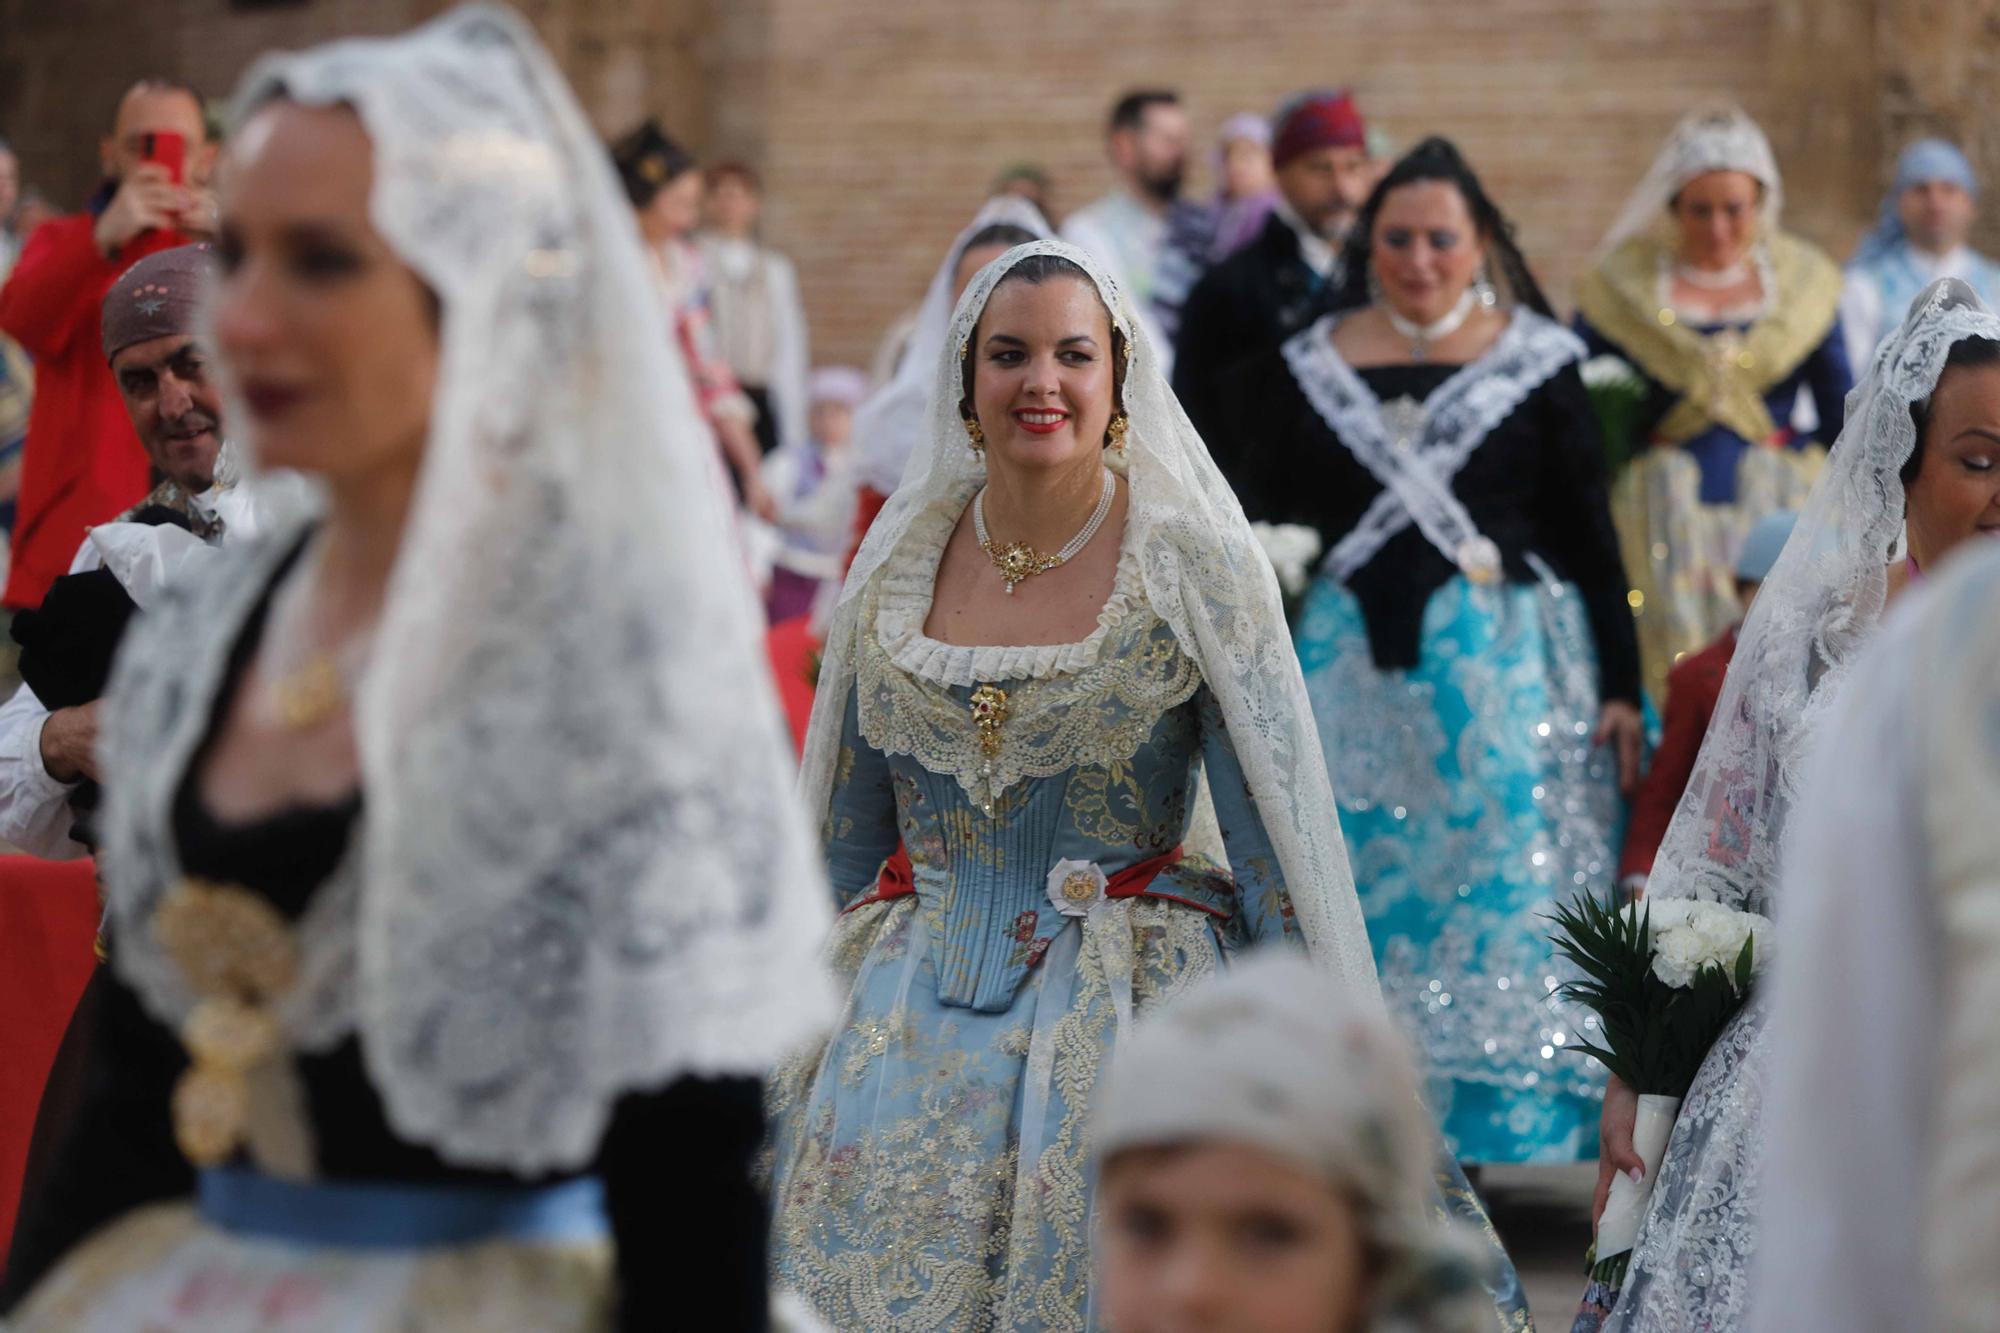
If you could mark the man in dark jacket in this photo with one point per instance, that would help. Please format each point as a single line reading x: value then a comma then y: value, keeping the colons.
x: 1287, y: 277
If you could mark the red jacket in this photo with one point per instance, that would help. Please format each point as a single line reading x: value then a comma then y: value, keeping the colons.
x: 1694, y: 687
x: 83, y: 463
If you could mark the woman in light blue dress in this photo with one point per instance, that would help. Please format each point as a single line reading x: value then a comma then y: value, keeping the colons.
x: 931, y: 1165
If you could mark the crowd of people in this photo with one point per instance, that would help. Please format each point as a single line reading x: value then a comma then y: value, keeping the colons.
x: 1235, y: 626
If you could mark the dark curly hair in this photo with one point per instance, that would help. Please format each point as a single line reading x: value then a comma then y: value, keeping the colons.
x: 1438, y: 159
x: 1034, y: 271
x: 1965, y: 353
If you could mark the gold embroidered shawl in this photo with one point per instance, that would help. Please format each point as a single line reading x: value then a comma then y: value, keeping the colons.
x: 1720, y: 382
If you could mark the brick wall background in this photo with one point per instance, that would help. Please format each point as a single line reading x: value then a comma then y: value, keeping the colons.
x: 879, y: 124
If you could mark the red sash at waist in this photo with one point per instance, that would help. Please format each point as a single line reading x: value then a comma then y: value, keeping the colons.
x: 1782, y: 438
x: 899, y: 879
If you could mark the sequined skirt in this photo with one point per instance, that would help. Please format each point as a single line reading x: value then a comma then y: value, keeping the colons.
x: 336, y: 1259
x: 1472, y: 801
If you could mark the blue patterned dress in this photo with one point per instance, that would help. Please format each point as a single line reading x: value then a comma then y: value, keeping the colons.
x: 1456, y: 711
x: 931, y: 1168
x: 931, y: 1163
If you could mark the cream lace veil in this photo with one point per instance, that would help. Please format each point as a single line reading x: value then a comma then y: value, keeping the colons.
x: 889, y: 425
x: 1205, y: 576
x: 1714, y: 139
x: 581, y: 870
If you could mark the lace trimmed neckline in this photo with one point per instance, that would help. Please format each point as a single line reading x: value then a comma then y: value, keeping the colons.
x: 908, y: 587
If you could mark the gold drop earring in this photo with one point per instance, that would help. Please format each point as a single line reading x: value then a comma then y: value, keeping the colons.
x: 1114, y: 434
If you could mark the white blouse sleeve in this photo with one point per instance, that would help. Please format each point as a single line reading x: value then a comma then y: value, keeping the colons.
x: 34, y: 808
x: 1853, y: 1026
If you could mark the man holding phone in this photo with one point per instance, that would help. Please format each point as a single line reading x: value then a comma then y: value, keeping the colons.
x: 83, y: 464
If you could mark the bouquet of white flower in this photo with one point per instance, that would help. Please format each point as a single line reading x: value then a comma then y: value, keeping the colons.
x: 1665, y: 977
x: 1291, y: 548
x: 1617, y: 393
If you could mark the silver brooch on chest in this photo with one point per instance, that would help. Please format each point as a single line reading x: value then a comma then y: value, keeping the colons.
x: 1404, y: 419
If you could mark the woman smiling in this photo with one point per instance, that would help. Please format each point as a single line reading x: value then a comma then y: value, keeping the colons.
x: 1057, y: 623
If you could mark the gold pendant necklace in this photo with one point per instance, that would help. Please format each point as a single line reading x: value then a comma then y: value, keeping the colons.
x: 308, y: 687
x: 309, y: 694
x: 1018, y: 561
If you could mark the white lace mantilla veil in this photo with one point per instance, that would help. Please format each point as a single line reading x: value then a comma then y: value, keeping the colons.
x: 1712, y: 139
x: 581, y: 869
x: 1205, y: 575
x: 890, y: 423
x: 1821, y: 603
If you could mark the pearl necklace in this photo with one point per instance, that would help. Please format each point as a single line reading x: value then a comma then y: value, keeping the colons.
x: 1017, y: 561
x: 1421, y: 336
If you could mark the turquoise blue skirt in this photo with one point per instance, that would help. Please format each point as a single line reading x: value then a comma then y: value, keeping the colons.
x: 1472, y: 801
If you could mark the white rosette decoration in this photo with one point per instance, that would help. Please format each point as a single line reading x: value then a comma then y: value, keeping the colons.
x: 1077, y: 886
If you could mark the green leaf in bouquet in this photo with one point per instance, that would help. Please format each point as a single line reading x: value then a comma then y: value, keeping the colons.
x: 1617, y: 405
x: 1609, y: 1272
x: 1655, y: 1036
x: 1612, y: 952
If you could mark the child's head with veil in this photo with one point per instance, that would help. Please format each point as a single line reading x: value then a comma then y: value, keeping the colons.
x: 1265, y: 1166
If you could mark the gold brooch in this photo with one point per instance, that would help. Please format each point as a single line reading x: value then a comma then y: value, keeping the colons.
x: 1017, y: 561
x: 310, y: 695
x: 238, y: 954
x: 989, y: 711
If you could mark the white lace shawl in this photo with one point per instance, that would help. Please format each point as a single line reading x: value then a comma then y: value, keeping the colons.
x: 1416, y: 459
x: 1203, y: 573
x: 1713, y: 139
x: 580, y: 870
x: 1820, y: 604
x: 890, y: 423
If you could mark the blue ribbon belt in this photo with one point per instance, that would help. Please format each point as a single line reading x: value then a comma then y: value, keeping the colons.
x: 380, y: 1215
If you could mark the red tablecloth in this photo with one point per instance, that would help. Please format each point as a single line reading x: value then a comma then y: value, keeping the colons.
x: 48, y: 919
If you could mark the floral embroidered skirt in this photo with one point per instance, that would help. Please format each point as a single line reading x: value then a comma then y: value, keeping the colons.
x: 1472, y: 802
x: 931, y: 1164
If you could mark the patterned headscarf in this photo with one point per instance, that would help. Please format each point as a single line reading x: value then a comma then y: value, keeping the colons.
x: 1317, y: 120
x: 1922, y: 162
x: 158, y: 297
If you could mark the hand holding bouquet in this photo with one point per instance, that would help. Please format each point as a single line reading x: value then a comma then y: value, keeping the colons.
x: 1664, y: 977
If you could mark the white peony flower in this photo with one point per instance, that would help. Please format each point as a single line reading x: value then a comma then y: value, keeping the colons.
x: 1291, y: 548
x: 1608, y: 371
x: 1690, y: 934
